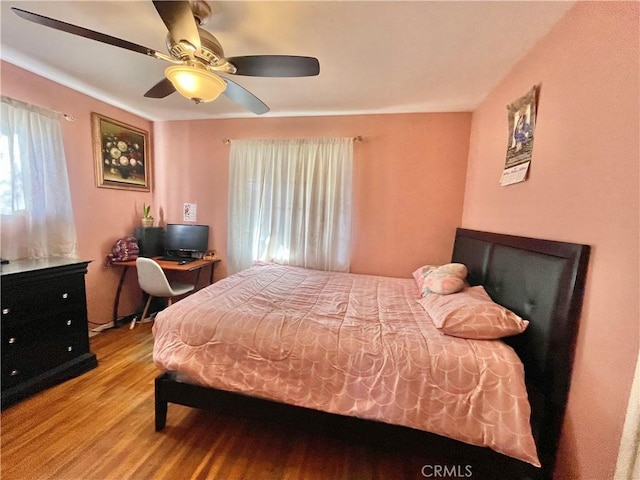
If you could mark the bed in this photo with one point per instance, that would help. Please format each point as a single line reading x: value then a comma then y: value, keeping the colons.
x: 346, y: 344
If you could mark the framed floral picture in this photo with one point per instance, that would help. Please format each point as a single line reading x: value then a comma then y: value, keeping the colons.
x: 122, y: 155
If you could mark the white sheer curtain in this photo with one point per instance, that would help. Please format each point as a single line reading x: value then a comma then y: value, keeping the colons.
x: 35, y: 200
x: 290, y: 203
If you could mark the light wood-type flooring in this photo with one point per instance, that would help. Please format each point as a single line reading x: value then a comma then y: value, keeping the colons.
x: 100, y: 425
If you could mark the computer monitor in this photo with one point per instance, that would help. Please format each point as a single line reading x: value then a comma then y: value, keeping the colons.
x: 186, y: 239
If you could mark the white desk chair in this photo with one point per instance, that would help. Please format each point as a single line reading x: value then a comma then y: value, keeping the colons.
x: 154, y: 282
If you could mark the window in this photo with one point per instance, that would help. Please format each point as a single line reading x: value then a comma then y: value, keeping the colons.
x: 11, y: 189
x: 290, y: 202
x: 35, y: 200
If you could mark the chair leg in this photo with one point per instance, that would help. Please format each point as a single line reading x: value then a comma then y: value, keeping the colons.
x: 146, y: 308
x: 144, y: 313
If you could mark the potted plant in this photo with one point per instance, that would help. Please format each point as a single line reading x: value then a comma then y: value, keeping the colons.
x: 147, y: 219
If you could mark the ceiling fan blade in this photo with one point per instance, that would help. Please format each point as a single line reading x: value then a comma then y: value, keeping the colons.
x: 245, y: 98
x: 178, y: 18
x: 84, y: 32
x: 162, y: 89
x: 276, y: 66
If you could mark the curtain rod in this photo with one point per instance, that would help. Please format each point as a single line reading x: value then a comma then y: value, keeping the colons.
x: 13, y: 101
x: 357, y: 139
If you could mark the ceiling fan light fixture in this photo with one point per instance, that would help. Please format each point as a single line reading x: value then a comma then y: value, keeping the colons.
x: 195, y: 83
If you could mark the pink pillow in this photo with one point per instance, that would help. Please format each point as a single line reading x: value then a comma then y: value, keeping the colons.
x: 444, y: 280
x: 472, y: 314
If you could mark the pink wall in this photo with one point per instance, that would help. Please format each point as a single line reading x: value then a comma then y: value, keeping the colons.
x: 408, y: 180
x: 583, y: 188
x: 101, y: 215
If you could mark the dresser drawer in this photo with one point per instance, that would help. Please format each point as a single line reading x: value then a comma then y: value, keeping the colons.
x: 29, y: 360
x: 42, y: 298
x: 29, y: 334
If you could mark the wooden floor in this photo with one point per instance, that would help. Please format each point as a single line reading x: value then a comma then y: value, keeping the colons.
x: 101, y: 426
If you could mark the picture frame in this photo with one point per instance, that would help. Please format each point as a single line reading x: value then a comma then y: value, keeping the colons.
x: 122, y: 155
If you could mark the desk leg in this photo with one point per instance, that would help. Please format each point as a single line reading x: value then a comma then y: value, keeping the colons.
x: 213, y: 265
x: 198, y: 277
x: 117, y: 299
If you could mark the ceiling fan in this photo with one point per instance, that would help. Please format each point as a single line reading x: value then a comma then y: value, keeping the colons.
x: 196, y: 55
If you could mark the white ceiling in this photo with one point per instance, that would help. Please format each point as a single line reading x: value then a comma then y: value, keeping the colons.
x: 375, y: 56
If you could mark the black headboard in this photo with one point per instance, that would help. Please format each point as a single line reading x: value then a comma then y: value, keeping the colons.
x: 543, y: 282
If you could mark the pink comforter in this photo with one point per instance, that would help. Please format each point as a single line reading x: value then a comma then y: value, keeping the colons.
x: 349, y: 344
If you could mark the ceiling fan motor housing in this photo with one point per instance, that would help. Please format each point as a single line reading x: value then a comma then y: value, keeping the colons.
x: 210, y: 54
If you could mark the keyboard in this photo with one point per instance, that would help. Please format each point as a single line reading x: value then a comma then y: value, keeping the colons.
x: 178, y: 259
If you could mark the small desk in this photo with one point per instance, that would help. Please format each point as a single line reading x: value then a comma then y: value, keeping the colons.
x: 195, y: 266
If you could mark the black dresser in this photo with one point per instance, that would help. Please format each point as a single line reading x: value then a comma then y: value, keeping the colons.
x: 45, y: 337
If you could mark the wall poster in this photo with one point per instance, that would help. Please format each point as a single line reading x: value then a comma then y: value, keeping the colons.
x: 190, y: 212
x: 522, y: 123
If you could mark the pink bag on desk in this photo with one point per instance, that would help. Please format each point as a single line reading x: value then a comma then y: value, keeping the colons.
x: 125, y: 249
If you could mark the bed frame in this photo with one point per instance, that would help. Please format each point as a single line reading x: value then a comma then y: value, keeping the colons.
x: 542, y: 281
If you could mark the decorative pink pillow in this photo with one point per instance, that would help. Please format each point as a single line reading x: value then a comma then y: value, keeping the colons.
x: 444, y: 280
x: 472, y: 314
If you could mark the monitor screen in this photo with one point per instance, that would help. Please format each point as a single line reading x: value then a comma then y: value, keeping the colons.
x: 186, y: 238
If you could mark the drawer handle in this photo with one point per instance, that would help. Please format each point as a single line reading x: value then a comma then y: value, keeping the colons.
x: 15, y: 373
x: 69, y: 348
x: 65, y: 295
x: 6, y: 311
x: 68, y: 323
x: 12, y: 340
